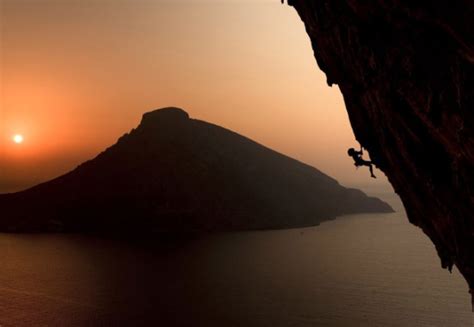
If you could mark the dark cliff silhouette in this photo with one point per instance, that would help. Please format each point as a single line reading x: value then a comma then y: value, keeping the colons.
x: 406, y: 70
x: 174, y: 174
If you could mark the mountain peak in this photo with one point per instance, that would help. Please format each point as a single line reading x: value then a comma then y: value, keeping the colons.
x: 175, y: 174
x: 164, y: 115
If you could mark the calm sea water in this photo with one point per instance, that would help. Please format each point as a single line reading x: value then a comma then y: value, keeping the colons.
x: 364, y: 270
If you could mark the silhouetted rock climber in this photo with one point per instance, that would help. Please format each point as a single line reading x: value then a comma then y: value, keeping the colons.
x: 358, y: 161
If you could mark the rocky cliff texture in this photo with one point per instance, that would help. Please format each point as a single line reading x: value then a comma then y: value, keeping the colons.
x: 406, y: 71
x: 176, y: 174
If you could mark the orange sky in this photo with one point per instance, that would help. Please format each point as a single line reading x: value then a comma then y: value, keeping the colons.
x: 77, y: 74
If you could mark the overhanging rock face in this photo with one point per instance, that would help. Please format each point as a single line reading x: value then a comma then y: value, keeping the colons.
x: 406, y: 71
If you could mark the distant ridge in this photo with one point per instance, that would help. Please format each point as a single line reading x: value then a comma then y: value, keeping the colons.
x: 176, y: 174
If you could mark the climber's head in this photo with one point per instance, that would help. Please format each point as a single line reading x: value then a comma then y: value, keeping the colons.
x: 351, y: 152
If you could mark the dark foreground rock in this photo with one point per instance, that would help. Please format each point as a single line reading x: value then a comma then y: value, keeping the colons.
x: 406, y: 70
x: 175, y: 174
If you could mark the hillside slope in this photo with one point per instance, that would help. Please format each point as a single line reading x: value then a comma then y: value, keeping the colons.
x: 173, y: 173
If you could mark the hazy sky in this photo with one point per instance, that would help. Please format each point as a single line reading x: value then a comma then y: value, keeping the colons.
x: 77, y: 74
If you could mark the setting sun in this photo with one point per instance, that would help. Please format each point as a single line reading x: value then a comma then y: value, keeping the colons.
x: 18, y: 138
